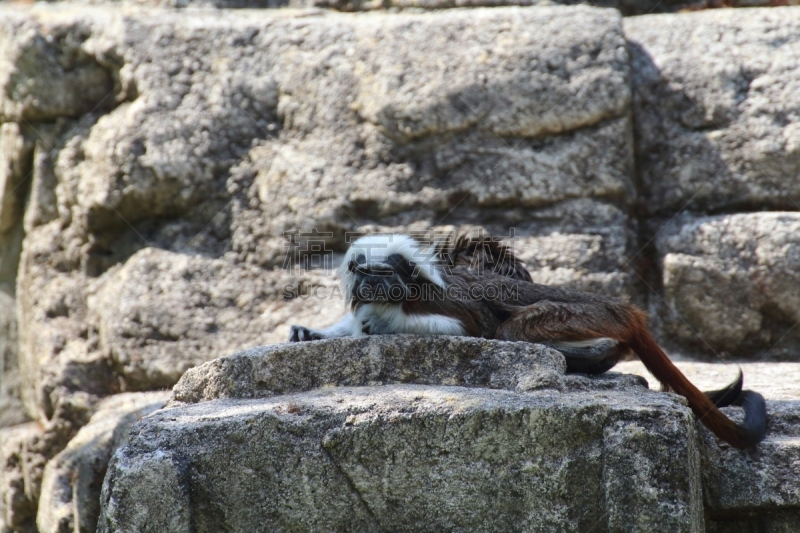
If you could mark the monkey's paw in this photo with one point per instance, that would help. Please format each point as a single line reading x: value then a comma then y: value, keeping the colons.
x: 302, y: 334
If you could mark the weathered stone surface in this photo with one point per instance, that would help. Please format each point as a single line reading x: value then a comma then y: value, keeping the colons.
x: 732, y: 284
x: 604, y: 382
x: 24, y: 451
x: 627, y: 7
x: 717, y: 120
x: 70, y: 494
x: 217, y: 115
x: 15, y: 151
x: 754, y: 490
x: 18, y: 506
x: 42, y: 203
x: 776, y: 522
x: 140, y: 326
x: 767, y: 478
x: 544, y: 114
x: 775, y: 381
x: 15, y: 159
x: 11, y: 410
x: 432, y: 360
x: 410, y: 458
x: 761, y: 486
x: 421, y: 150
x: 22, y: 150
x: 56, y: 355
x: 174, y: 311
x: 44, y: 70
x: 582, y: 244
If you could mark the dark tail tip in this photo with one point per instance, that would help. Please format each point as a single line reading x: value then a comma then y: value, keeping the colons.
x: 728, y: 395
x: 754, y: 428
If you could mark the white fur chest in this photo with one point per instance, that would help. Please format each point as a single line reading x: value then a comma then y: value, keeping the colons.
x: 383, y: 319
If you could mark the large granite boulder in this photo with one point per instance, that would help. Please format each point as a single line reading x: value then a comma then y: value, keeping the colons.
x: 410, y: 458
x: 514, y: 125
x: 717, y: 119
x: 433, y: 360
x: 731, y: 285
x: 409, y: 433
x: 478, y: 435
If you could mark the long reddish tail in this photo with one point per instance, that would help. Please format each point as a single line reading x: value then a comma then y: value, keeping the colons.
x: 659, y: 364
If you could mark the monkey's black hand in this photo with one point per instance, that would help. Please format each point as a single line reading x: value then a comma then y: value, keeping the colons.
x: 302, y: 334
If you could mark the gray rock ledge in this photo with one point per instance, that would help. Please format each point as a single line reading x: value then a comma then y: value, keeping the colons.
x: 296, y: 367
x: 411, y: 458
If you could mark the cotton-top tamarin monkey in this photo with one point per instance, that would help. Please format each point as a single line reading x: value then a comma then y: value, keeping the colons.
x: 477, y: 287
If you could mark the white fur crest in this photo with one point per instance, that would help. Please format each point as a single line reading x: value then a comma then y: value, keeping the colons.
x: 379, y: 246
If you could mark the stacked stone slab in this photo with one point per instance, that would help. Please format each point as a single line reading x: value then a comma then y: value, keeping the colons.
x: 405, y: 458
x: 733, y: 278
x: 759, y: 490
x: 151, y: 161
x: 718, y: 131
x: 451, y: 434
x: 438, y: 433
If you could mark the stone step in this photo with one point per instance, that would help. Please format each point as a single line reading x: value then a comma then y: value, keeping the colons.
x: 760, y: 488
x: 775, y: 381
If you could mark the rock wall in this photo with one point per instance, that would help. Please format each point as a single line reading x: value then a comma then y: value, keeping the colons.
x: 151, y: 161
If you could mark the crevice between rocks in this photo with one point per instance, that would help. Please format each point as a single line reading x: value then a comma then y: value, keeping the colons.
x: 350, y: 483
